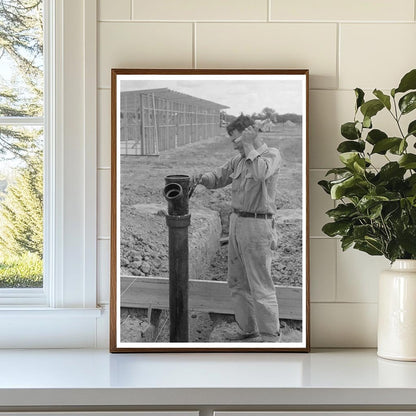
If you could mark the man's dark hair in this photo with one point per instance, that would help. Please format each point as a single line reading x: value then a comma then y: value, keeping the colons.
x: 240, y: 124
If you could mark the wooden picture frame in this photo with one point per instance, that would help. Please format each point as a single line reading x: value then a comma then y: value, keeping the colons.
x: 170, y: 294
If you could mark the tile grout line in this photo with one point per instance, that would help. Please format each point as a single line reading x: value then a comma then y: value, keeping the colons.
x: 131, y: 9
x: 307, y: 22
x: 269, y: 11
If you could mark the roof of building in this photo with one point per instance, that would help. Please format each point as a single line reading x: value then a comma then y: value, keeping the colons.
x: 179, y: 97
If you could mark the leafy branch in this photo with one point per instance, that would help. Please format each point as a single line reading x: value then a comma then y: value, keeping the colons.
x: 376, y: 211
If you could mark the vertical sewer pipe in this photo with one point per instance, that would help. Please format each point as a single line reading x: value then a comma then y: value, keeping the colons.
x: 176, y: 192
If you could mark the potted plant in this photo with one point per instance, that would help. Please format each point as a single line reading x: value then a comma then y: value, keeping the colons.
x: 376, y: 206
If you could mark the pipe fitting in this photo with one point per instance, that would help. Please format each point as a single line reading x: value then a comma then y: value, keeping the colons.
x: 176, y: 192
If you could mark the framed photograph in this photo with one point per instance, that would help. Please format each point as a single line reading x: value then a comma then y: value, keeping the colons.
x: 209, y: 211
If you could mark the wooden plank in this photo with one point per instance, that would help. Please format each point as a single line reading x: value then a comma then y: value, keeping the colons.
x: 204, y: 296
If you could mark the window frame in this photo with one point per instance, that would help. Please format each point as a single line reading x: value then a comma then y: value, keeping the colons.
x: 70, y: 167
x: 38, y: 296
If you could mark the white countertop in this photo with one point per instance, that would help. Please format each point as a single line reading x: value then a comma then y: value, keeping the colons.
x: 96, y: 377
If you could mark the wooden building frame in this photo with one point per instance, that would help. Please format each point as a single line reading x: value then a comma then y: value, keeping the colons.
x: 154, y: 120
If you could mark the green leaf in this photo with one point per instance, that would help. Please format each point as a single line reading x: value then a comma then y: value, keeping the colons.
x: 385, y: 144
x: 408, y: 161
x: 346, y: 242
x: 371, y: 108
x: 408, y: 82
x: 407, y: 240
x: 325, y: 186
x: 368, y: 201
x: 385, y: 99
x: 338, y: 171
x: 336, y: 228
x: 393, y: 92
x: 338, y: 189
x: 408, y: 102
x: 398, y: 149
x: 368, y: 248
x: 391, y: 170
x: 349, y: 131
x: 359, y: 94
x: 375, y: 212
x: 361, y: 231
x: 367, y: 122
x: 393, y: 250
x: 348, y: 158
x: 359, y: 165
x: 349, y: 146
x: 342, y: 211
x: 375, y: 136
x: 411, y: 130
x: 411, y: 184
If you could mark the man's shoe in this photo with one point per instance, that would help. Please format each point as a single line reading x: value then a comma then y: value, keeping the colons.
x: 238, y: 335
x: 272, y: 338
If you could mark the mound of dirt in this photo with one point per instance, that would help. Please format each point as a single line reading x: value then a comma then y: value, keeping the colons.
x: 144, y: 240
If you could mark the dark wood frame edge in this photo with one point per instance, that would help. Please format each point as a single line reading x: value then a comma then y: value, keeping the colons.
x: 114, y: 190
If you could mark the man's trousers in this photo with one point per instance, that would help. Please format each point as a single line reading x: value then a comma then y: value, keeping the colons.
x: 249, y: 276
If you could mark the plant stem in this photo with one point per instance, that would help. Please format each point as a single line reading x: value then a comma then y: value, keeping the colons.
x: 397, y: 118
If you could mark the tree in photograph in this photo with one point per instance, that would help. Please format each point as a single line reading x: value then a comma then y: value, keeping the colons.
x: 267, y: 113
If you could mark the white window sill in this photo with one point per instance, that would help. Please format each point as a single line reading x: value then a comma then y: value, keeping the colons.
x: 331, y: 379
x: 36, y: 312
x: 40, y: 327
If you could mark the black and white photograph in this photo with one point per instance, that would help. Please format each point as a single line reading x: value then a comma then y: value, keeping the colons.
x: 209, y: 211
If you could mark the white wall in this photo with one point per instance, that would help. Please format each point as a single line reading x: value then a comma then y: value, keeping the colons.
x: 345, y: 44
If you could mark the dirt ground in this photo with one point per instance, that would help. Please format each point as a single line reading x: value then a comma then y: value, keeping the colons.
x: 142, y: 181
x: 203, y: 327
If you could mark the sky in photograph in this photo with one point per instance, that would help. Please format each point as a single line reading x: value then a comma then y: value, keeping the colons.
x: 241, y: 96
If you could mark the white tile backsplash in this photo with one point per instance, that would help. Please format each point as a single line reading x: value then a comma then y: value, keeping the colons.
x: 347, y: 325
x: 376, y: 55
x: 345, y: 44
x: 114, y: 10
x: 142, y: 45
x: 320, y: 202
x: 271, y: 46
x: 369, y: 10
x: 200, y: 10
x: 357, y: 275
x: 323, y: 269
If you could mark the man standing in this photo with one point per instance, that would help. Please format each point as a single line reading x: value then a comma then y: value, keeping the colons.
x: 253, y: 177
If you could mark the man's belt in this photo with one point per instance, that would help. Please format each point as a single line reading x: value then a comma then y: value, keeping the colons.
x: 253, y: 215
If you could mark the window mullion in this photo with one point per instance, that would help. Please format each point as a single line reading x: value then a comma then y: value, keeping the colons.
x: 22, y: 121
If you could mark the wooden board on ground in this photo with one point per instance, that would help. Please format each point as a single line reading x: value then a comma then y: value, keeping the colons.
x: 204, y: 296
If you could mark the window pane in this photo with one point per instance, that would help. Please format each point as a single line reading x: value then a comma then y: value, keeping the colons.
x: 21, y: 58
x: 21, y: 147
x: 21, y: 211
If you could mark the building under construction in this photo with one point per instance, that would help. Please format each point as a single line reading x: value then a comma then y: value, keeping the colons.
x: 160, y: 119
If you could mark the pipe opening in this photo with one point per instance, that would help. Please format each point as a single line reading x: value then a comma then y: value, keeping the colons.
x: 173, y: 191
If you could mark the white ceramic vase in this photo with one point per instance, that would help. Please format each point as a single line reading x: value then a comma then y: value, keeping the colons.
x: 397, y: 312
